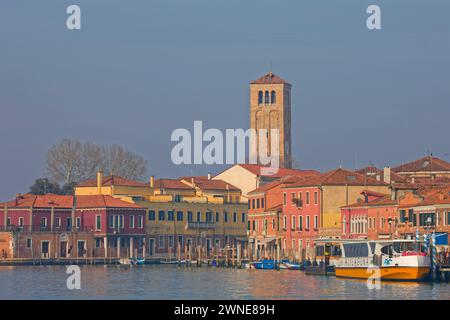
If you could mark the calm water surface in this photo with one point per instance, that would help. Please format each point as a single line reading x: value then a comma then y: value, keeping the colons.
x: 171, y: 282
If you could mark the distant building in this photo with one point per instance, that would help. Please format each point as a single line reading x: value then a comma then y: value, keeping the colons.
x: 314, y: 204
x: 427, y: 168
x: 182, y: 215
x: 248, y: 177
x: 55, y: 226
x: 270, y: 108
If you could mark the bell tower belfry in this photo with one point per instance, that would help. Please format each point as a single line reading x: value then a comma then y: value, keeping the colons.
x: 270, y: 108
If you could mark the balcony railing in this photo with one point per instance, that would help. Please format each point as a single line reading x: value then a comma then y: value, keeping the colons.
x: 200, y: 225
x: 41, y: 228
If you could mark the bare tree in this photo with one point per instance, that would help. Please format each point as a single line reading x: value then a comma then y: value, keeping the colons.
x: 63, y: 161
x: 122, y: 162
x: 71, y: 161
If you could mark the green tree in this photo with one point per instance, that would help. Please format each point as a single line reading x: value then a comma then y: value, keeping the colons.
x: 43, y: 186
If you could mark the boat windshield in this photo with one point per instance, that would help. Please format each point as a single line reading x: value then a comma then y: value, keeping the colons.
x: 400, y: 247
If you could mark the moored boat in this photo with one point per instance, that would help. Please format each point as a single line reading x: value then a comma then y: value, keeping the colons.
x: 399, y: 260
x: 265, y: 264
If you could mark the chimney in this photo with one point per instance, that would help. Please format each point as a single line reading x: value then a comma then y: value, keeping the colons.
x: 152, y: 181
x: 99, y: 181
x: 209, y: 175
x: 17, y: 198
x: 387, y: 175
x: 192, y: 181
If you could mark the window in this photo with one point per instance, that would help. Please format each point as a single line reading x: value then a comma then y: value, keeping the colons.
x: 98, y: 222
x: 273, y: 224
x: 140, y: 221
x: 225, y: 216
x: 262, y: 203
x: 284, y: 222
x: 180, y: 241
x: 448, y: 218
x: 78, y: 222
x: 161, y: 242
x: 208, y: 216
x: 8, y: 221
x: 69, y: 223
x: 180, y: 216
x: 43, y: 222
x: 121, y: 219
x: 253, y: 204
x: 57, y: 222
x: 307, y: 197
x: 253, y: 225
x: 234, y: 217
x: 316, y: 222
x: 217, y: 217
x: 284, y: 198
x: 402, y: 216
x: 260, y: 97
x: 161, y: 215
x: 21, y: 221
x: 427, y: 219
x: 170, y: 241
x: 199, y: 216
x: 243, y: 217
x: 248, y: 202
x: 293, y: 220
x: 316, y: 197
x: 273, y: 97
x: 131, y: 221
x: 170, y: 216
x: 257, y: 203
x: 266, y: 97
x: 29, y: 243
x: 151, y: 215
x: 189, y: 216
x: 307, y: 222
x: 300, y: 223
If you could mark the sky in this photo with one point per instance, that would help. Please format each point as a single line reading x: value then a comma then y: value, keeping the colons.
x: 137, y: 70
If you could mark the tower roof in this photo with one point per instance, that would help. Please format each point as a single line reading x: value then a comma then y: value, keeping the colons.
x: 269, y: 78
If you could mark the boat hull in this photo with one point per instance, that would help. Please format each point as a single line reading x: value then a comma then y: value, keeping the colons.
x: 394, y: 273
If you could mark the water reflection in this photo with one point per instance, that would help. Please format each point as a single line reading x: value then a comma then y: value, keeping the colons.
x: 171, y: 282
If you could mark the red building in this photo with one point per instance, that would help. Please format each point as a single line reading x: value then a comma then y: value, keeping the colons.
x: 55, y: 226
x: 268, y: 229
x: 371, y: 218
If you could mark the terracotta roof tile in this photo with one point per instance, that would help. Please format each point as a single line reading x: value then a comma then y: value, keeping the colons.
x: 383, y: 201
x: 269, y: 78
x: 204, y: 183
x: 428, y: 163
x: 282, y: 172
x: 102, y: 201
x: 372, y: 171
x: 339, y: 177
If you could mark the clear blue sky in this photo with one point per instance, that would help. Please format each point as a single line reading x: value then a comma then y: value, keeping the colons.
x: 139, y: 69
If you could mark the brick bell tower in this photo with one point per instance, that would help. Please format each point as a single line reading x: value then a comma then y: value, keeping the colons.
x: 270, y: 108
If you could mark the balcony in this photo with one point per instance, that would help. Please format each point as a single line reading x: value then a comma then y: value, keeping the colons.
x: 200, y: 225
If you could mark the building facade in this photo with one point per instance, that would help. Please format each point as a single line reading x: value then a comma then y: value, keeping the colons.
x: 270, y: 108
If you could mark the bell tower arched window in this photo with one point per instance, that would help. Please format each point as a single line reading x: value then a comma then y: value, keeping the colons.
x: 260, y: 97
x: 266, y: 97
x: 273, y: 97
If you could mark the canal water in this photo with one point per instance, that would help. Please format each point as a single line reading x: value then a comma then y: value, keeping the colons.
x: 171, y: 282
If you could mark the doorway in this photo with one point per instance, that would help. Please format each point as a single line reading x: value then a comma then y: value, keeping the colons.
x: 63, y: 249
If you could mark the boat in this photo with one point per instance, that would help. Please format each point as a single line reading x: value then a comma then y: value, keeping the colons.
x: 172, y: 261
x: 137, y: 261
x: 265, y: 264
x: 291, y: 266
x: 397, y: 260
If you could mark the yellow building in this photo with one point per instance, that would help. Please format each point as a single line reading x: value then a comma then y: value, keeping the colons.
x: 183, y: 215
